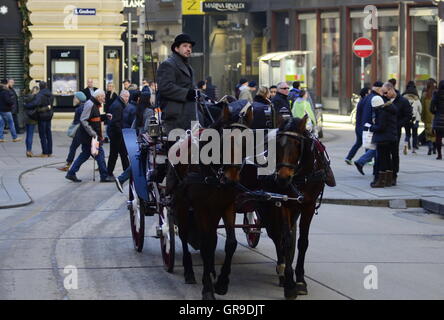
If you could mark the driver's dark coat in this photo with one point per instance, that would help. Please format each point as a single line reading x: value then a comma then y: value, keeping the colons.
x: 175, y: 79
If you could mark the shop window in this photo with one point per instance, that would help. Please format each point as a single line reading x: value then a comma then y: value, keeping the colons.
x: 308, y: 43
x: 388, y: 54
x: 330, y: 62
x: 424, y: 45
x: 113, y: 65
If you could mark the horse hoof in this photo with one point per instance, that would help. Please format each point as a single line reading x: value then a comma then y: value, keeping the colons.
x: 208, y: 296
x: 189, y: 279
x: 281, y: 281
x: 301, y: 288
x: 221, y: 289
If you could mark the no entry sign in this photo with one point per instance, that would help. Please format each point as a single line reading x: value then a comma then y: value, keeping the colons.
x: 363, y: 47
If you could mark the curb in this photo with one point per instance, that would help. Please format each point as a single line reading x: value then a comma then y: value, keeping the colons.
x: 389, y: 203
x: 13, y: 183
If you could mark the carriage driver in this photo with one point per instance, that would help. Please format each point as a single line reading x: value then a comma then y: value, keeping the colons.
x: 177, y: 93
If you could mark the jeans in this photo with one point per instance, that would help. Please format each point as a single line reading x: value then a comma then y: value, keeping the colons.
x: 45, y: 136
x: 29, y: 136
x: 75, y: 144
x: 7, y: 117
x: 366, y: 157
x: 356, y: 146
x: 84, y: 156
x: 125, y: 175
x: 415, y: 127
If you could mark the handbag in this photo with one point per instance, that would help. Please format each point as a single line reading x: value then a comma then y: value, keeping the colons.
x: 95, y: 147
x: 367, y: 137
x: 72, y: 130
x: 32, y: 114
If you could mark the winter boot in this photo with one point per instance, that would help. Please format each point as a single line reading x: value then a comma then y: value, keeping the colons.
x: 388, y: 178
x: 380, y: 182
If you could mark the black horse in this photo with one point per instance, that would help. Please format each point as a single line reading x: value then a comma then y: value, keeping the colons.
x: 302, y: 170
x: 210, y: 190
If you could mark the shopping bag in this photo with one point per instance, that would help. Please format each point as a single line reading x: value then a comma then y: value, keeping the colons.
x: 72, y: 130
x: 94, y: 147
x: 367, y: 137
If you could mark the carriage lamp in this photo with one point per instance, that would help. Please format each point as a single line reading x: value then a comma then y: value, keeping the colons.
x: 285, y: 113
x: 153, y: 127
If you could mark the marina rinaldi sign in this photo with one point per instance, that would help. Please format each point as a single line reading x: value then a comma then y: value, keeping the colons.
x: 225, y: 6
x: 199, y: 7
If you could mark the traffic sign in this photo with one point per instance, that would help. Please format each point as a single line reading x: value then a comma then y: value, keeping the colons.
x: 363, y: 47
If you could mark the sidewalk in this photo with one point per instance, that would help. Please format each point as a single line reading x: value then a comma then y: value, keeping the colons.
x: 420, y: 181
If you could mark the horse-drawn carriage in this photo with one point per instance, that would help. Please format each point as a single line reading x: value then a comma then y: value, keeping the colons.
x: 204, y: 194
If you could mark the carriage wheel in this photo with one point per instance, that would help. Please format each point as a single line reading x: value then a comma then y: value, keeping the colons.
x: 137, y: 217
x: 167, y: 238
x: 253, y: 234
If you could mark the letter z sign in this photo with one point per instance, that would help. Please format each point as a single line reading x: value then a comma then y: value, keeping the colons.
x: 192, y: 7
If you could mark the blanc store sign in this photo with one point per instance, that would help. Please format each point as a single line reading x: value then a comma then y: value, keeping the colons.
x: 133, y: 3
x: 217, y: 6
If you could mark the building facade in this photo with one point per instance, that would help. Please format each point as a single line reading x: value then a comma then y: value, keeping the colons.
x: 404, y: 33
x: 73, y: 41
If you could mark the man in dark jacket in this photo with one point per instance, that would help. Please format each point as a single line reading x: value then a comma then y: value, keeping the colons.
x: 404, y: 117
x: 6, y: 104
x: 280, y: 100
x: 176, y: 86
x: 117, y: 144
x: 294, y: 92
x: 367, y: 116
x: 90, y: 89
x: 91, y: 127
x: 16, y: 106
x: 43, y: 102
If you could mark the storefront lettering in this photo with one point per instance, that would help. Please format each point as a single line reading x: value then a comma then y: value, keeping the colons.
x: 224, y: 6
x: 65, y: 54
x: 85, y: 12
x: 133, y: 3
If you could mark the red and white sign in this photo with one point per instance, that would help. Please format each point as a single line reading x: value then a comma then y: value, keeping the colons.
x: 363, y: 47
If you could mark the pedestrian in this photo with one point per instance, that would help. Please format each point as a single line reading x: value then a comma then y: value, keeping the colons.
x: 110, y: 96
x: 117, y: 144
x: 437, y: 108
x: 79, y: 102
x: 129, y: 112
x: 30, y: 123
x: 211, y: 90
x: 280, y: 100
x: 16, y: 107
x: 153, y: 92
x: 243, y: 83
x: 90, y: 89
x: 247, y: 92
x: 44, y: 101
x: 427, y: 115
x: 302, y: 107
x: 126, y: 83
x: 385, y: 137
x: 202, y: 86
x: 91, y: 127
x: 358, y: 126
x: 273, y: 91
x: 145, y: 86
x: 294, y: 92
x: 261, y: 105
x: 411, y: 94
x: 367, y: 117
x: 6, y: 104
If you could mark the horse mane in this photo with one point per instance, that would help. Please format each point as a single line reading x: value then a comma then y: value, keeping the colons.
x: 292, y: 124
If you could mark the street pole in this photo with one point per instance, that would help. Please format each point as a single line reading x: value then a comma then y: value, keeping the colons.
x: 440, y: 52
x: 362, y: 72
x: 141, y: 42
x: 130, y: 65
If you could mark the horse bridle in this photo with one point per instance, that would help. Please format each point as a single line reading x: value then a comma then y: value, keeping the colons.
x: 302, y: 139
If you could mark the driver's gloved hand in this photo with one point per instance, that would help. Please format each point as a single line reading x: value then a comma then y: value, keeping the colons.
x: 191, y: 95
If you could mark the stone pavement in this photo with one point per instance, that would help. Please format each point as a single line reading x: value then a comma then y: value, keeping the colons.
x: 420, y: 183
